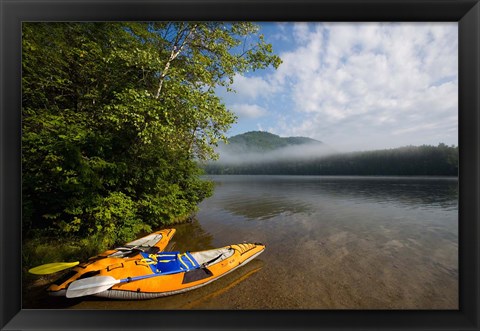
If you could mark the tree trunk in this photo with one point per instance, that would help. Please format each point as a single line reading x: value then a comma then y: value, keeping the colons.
x: 173, y: 55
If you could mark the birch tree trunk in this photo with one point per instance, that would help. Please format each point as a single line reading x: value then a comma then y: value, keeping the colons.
x: 176, y: 50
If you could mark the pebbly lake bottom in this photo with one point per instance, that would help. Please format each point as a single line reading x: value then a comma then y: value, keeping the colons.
x: 332, y: 243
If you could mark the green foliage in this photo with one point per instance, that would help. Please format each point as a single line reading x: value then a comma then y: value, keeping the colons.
x: 116, y: 219
x: 116, y: 116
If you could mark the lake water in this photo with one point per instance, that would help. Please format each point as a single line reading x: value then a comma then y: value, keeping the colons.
x: 332, y: 243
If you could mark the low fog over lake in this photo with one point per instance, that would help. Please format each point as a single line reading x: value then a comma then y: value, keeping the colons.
x: 268, y: 154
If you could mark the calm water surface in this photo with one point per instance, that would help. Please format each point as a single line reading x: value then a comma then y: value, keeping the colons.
x: 332, y: 243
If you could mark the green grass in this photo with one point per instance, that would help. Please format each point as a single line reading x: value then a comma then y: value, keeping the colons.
x: 44, y: 250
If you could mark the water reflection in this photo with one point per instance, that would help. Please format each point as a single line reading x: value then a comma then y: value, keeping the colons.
x: 263, y: 207
x: 190, y: 237
x: 338, y: 242
x: 263, y: 197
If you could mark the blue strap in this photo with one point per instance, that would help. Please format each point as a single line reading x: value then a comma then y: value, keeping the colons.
x: 151, y: 265
x: 195, y: 263
x: 187, y: 262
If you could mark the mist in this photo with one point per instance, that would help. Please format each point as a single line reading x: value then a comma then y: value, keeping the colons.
x: 289, y: 153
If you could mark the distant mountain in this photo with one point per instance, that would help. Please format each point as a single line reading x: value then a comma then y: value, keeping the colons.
x: 261, y: 142
x: 261, y: 147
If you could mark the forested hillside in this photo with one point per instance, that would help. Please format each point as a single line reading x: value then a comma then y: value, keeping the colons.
x: 440, y: 160
x: 115, y: 116
x: 260, y: 141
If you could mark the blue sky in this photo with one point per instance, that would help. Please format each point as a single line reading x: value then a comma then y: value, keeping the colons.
x: 354, y: 86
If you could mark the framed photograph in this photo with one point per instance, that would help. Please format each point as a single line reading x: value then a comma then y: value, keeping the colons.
x: 329, y: 151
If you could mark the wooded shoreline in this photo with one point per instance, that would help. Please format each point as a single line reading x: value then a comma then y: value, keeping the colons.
x: 441, y: 160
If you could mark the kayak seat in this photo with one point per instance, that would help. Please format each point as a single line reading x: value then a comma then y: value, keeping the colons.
x: 167, y: 262
x: 171, y: 262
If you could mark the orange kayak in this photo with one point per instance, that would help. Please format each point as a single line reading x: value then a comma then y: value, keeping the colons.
x: 151, y: 275
x: 131, y: 251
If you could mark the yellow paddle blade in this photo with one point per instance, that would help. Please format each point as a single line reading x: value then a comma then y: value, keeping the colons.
x: 51, y: 268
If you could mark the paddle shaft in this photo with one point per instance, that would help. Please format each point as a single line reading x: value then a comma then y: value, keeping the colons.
x: 203, y: 266
x: 97, y: 284
x: 131, y: 279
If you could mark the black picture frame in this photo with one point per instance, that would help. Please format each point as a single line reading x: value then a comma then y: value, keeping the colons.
x: 465, y: 12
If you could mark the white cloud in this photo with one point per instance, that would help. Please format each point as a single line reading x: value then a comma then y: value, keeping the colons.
x: 386, y: 83
x: 248, y: 110
x: 252, y: 87
x: 301, y: 31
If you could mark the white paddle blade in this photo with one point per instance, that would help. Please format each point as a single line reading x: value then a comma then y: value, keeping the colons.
x: 89, y: 286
